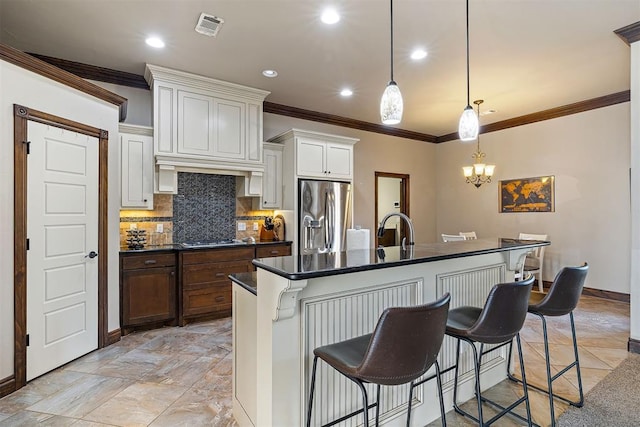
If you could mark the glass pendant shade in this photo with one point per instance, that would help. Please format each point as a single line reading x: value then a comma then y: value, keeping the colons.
x: 391, y: 105
x: 488, y: 170
x: 468, y: 126
x: 468, y: 171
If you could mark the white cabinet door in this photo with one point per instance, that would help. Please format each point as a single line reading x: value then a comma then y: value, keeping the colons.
x: 272, y: 182
x: 136, y: 171
x: 228, y: 129
x: 311, y: 157
x: 339, y: 161
x: 195, y: 124
x: 322, y: 159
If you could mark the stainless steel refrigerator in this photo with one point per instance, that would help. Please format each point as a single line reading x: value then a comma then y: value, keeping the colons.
x: 324, y: 214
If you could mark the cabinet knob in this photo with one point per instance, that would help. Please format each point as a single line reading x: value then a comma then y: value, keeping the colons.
x: 173, y: 273
x: 145, y: 200
x: 264, y: 203
x: 329, y: 172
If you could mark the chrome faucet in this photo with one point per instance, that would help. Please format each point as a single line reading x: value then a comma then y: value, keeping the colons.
x: 407, y: 220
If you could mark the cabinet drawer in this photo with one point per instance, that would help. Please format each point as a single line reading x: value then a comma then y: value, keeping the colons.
x: 226, y: 254
x: 272, y: 251
x: 133, y: 262
x: 212, y: 272
x: 206, y: 298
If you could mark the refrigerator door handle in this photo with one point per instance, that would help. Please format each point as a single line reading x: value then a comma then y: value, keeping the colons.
x: 332, y: 218
x: 326, y: 220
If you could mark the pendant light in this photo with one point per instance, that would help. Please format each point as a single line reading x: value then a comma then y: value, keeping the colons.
x: 391, y: 102
x: 468, y: 126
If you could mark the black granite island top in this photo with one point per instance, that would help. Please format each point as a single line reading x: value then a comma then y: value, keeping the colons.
x: 249, y: 281
x: 300, y: 267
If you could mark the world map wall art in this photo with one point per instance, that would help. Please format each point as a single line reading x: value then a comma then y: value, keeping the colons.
x: 528, y: 194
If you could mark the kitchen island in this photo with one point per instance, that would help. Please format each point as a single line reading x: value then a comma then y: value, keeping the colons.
x: 303, y: 302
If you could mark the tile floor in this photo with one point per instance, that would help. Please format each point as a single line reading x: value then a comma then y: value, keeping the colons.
x: 182, y: 376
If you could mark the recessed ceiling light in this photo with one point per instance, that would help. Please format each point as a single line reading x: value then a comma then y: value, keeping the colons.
x: 269, y: 73
x: 155, y: 42
x: 418, y: 54
x: 487, y: 112
x: 330, y: 16
x: 346, y: 92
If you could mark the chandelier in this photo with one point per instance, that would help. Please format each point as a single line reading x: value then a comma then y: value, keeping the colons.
x: 480, y: 172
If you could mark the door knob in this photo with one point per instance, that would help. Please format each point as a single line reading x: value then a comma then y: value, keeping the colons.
x: 91, y: 254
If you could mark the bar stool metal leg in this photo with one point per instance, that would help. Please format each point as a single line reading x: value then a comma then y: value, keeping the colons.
x: 313, y: 387
x: 551, y: 378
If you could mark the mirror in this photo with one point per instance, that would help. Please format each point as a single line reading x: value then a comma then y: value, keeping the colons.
x: 391, y: 195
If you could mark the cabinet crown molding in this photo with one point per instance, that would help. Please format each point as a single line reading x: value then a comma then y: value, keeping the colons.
x: 135, y: 129
x: 155, y: 72
x: 326, y: 137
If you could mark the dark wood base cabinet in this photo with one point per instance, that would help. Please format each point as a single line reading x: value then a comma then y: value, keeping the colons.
x: 148, y: 288
x: 159, y: 288
x: 206, y: 287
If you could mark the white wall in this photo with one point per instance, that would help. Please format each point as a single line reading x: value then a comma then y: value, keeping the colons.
x: 36, y: 92
x: 589, y: 155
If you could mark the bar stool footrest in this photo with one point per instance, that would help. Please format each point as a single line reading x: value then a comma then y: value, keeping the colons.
x: 577, y: 404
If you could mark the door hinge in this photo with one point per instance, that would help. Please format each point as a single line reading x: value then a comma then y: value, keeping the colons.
x: 27, y: 340
x: 27, y: 244
x: 28, y: 146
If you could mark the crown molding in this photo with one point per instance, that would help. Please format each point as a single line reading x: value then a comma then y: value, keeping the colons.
x: 93, y: 72
x: 630, y: 33
x: 331, y: 119
x: 35, y: 65
x: 552, y: 113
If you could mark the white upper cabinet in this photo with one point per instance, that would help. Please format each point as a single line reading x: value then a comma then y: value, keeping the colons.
x: 204, y: 123
x: 322, y: 157
x: 272, y: 181
x: 136, y: 167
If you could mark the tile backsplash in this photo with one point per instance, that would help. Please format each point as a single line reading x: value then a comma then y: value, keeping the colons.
x: 204, y: 208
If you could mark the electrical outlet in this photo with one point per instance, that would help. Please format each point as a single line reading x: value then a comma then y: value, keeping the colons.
x: 133, y: 226
x: 255, y: 226
x: 242, y: 226
x: 159, y: 228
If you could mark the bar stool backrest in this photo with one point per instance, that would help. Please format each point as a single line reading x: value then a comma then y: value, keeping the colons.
x: 405, y: 343
x: 564, y: 293
x: 504, y: 312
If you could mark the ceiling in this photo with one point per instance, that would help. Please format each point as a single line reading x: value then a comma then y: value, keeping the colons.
x: 526, y: 55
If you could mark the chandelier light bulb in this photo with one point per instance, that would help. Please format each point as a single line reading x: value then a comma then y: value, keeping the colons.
x: 391, y: 105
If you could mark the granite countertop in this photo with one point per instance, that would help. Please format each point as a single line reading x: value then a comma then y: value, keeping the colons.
x: 178, y: 247
x: 249, y: 281
x: 328, y: 264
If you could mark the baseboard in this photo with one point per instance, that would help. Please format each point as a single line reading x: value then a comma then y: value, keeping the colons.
x: 7, y: 386
x: 113, y: 336
x: 634, y: 346
x: 610, y: 295
x: 598, y: 293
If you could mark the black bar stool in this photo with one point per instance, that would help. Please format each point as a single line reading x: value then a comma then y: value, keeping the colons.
x: 498, y: 322
x: 403, y: 346
x: 562, y: 299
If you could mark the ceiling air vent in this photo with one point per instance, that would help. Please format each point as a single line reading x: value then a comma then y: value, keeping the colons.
x: 209, y: 25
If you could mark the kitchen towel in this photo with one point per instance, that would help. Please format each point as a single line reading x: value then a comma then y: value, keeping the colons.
x: 357, y: 238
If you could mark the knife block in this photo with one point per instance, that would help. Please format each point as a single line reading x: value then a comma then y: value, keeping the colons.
x: 266, y: 235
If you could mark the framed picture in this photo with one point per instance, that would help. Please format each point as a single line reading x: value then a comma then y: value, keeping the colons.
x: 528, y: 194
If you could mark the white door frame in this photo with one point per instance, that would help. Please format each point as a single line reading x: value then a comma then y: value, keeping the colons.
x: 21, y: 147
